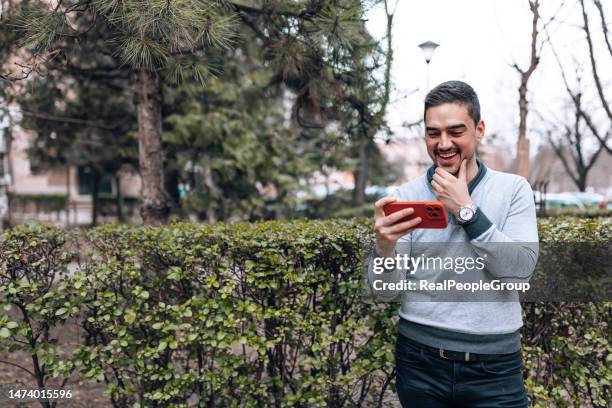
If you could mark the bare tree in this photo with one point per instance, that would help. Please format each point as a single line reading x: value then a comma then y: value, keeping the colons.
x: 572, y: 147
x: 522, y: 152
x: 572, y: 139
x: 536, y: 45
x: 596, y: 78
x: 576, y: 97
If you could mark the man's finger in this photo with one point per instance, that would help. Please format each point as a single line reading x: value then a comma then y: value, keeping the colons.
x: 396, y: 216
x: 378, y: 205
x: 435, y: 185
x: 438, y: 179
x: 442, y: 173
x: 403, y: 227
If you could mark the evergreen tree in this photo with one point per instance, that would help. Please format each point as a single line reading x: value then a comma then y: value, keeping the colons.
x: 248, y: 157
x: 156, y: 39
x: 323, y: 52
x: 233, y: 144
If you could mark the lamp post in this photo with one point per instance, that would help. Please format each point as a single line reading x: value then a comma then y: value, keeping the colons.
x: 428, y: 48
x: 5, y: 181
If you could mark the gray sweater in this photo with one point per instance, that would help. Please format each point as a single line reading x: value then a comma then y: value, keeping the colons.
x: 506, y: 214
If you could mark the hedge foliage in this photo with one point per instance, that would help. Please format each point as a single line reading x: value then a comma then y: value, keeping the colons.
x: 264, y: 314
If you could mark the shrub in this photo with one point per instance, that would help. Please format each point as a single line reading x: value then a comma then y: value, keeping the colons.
x: 36, y: 298
x: 264, y: 314
x: 274, y: 314
x: 566, y: 346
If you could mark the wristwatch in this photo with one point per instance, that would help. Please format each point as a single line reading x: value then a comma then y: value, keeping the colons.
x: 466, y: 213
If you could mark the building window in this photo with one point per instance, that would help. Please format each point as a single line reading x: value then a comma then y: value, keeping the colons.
x: 86, y: 182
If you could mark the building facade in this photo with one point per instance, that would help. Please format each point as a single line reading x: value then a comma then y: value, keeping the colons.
x: 61, y: 195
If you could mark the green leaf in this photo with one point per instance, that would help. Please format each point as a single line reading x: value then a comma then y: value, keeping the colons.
x: 12, y: 325
x: 61, y: 311
x: 130, y: 316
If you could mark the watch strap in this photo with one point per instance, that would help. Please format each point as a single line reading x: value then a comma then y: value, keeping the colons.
x: 477, y: 225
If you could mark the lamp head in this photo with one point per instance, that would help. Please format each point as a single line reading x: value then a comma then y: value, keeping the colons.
x: 428, y: 48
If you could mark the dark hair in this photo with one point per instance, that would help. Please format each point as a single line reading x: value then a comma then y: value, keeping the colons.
x: 454, y: 92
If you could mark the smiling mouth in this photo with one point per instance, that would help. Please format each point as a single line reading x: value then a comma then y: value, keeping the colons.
x: 447, y: 155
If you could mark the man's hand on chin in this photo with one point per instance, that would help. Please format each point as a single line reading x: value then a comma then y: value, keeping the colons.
x: 451, y: 190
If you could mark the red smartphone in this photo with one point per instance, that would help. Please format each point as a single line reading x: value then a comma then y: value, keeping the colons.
x: 432, y: 213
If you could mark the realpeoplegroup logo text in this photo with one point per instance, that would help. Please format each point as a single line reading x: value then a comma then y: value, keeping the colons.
x: 450, y: 285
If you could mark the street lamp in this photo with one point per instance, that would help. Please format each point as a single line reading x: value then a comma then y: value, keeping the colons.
x: 428, y: 48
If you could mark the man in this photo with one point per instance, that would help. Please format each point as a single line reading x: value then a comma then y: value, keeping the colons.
x: 461, y: 353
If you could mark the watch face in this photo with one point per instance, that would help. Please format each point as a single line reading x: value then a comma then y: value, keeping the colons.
x: 466, y: 213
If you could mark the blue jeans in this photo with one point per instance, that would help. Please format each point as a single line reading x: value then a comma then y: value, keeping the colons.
x: 425, y: 380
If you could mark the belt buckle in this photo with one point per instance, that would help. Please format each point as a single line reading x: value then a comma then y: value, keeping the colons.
x: 467, y: 355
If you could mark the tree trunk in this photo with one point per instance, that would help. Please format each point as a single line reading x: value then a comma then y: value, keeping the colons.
x: 119, y: 198
x: 171, y: 180
x: 522, y: 151
x: 361, y: 173
x: 8, y: 140
x: 582, y: 177
x: 522, y: 147
x: 154, y: 204
x: 212, y: 215
x: 68, y: 192
x: 582, y: 184
x: 95, y: 192
x: 522, y: 157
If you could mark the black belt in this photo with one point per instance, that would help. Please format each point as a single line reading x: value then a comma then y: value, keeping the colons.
x: 465, y: 356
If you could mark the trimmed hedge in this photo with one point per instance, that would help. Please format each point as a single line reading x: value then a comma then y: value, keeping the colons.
x: 264, y: 314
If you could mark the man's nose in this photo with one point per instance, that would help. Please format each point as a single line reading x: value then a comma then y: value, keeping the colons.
x: 445, y: 142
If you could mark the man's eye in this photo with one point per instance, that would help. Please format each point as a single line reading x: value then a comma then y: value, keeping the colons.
x: 456, y: 133
x: 433, y: 134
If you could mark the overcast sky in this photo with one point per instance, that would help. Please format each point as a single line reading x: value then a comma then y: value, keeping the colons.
x: 479, y: 40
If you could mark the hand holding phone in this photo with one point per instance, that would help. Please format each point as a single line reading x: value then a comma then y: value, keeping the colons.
x: 388, y: 229
x: 432, y: 213
x: 394, y: 219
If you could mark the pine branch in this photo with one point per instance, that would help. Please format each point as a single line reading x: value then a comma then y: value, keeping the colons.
x: 267, y: 11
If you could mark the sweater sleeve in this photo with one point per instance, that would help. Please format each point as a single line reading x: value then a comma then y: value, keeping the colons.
x: 510, y: 253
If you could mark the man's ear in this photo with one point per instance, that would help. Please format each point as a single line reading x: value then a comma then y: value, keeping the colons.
x: 480, y: 130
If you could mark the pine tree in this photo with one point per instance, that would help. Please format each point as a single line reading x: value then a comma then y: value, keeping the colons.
x: 322, y: 51
x: 232, y: 144
x: 319, y: 50
x: 156, y: 39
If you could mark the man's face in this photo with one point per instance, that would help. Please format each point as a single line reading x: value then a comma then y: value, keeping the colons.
x: 451, y: 136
